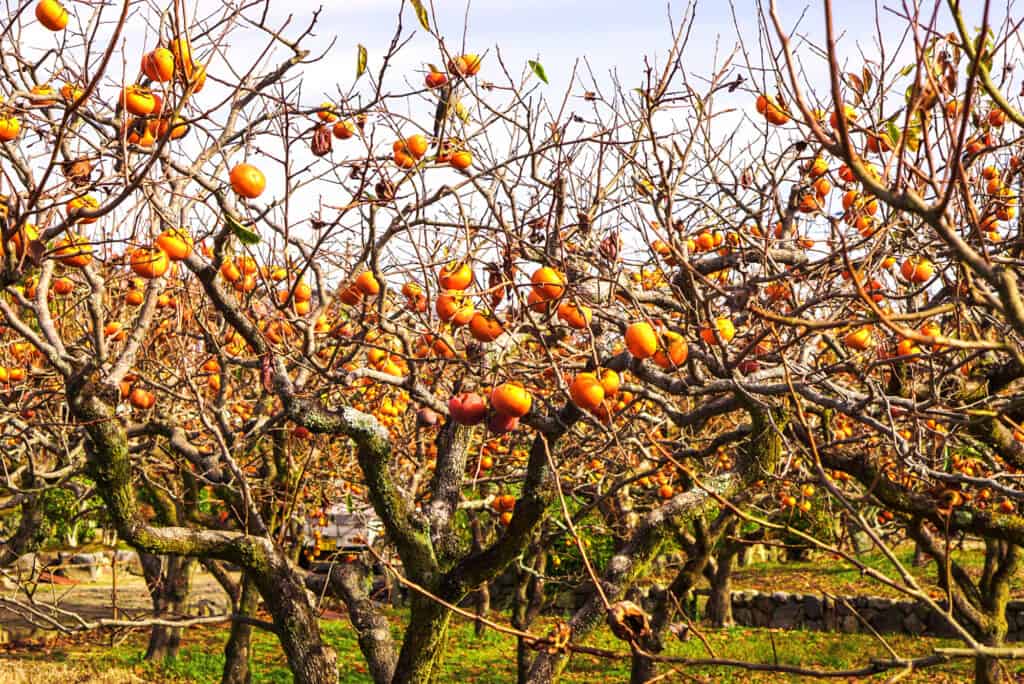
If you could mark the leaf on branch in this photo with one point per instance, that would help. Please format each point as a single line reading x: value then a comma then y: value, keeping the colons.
x: 267, y: 371
x: 245, y: 235
x: 421, y: 14
x: 361, y: 61
x: 538, y: 70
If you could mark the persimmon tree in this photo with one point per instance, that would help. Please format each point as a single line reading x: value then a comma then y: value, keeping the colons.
x: 496, y: 320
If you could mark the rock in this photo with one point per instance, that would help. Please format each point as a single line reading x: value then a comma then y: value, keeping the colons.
x: 787, y: 616
x: 849, y: 624
x: 812, y: 607
x: 913, y: 624
x: 888, y: 621
x: 877, y: 603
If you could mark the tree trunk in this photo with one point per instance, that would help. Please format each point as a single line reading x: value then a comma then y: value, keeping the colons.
x: 298, y: 628
x: 237, y: 651
x: 719, y: 608
x: 987, y: 670
x: 419, y: 660
x: 348, y: 582
x: 169, y: 580
x: 527, y: 603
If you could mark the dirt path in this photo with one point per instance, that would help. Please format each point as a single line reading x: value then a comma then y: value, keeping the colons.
x: 23, y: 616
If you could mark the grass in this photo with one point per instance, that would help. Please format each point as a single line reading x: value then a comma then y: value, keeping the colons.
x: 838, y: 577
x: 489, y: 659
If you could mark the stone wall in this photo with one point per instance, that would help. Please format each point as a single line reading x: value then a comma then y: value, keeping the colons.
x: 849, y: 614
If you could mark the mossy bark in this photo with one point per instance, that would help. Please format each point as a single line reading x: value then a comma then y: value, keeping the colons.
x: 420, y: 658
x: 109, y: 465
x: 237, y: 651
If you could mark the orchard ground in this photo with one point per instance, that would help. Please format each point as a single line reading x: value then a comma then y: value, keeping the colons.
x: 116, y: 658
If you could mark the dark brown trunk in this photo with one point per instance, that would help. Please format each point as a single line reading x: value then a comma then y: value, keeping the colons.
x: 168, y: 579
x: 527, y: 604
x: 719, y: 608
x: 237, y: 651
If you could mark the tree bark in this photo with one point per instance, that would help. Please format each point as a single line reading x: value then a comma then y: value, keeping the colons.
x: 419, y: 660
x: 719, y: 608
x: 169, y: 580
x: 109, y: 464
x: 348, y: 583
x: 237, y: 651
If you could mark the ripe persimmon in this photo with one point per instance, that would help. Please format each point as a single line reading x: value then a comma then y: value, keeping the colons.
x: 52, y: 15
x: 247, y: 180
x: 511, y: 399
x: 641, y: 340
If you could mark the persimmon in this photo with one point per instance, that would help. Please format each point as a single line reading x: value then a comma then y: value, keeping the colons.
x: 996, y: 117
x: 537, y: 303
x: 230, y: 271
x: 859, y: 339
x: 142, y: 399
x: 176, y: 243
x: 367, y: 283
x: 464, y: 309
x: 726, y: 330
x: 456, y: 275
x: 133, y: 298
x: 817, y: 168
x: 343, y: 130
x: 435, y: 79
x: 63, y: 286
x: 149, y: 263
x: 512, y: 399
x: 52, y: 15
x: 138, y: 100
x: 326, y: 112
x: 666, y: 491
x: 484, y: 328
x: 548, y: 283
x: 610, y: 382
x: 74, y: 251
x: 403, y: 160
x: 247, y: 181
x: 586, y: 391
x: 467, y: 408
x: 83, y: 202
x: 578, y: 317
x: 462, y: 159
x: 158, y: 65
x: 416, y: 145
x: 641, y: 340
x: 673, y: 350
x: 10, y: 126
x: 917, y: 270
x: 465, y: 65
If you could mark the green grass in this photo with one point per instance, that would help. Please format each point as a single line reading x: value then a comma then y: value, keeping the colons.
x: 838, y: 577
x: 491, y: 658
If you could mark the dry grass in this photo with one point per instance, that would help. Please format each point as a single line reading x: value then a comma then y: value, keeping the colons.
x: 40, y: 672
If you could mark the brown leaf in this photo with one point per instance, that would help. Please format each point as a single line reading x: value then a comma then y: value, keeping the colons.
x: 321, y: 144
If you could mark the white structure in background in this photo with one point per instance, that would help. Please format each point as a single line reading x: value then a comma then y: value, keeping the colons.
x: 344, y: 529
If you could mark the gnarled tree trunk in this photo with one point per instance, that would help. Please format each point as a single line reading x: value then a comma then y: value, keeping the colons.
x: 169, y: 580
x: 237, y: 651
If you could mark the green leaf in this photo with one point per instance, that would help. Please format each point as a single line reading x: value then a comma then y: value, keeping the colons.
x: 244, y: 235
x: 421, y: 14
x: 361, y: 61
x: 538, y: 70
x: 893, y: 130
